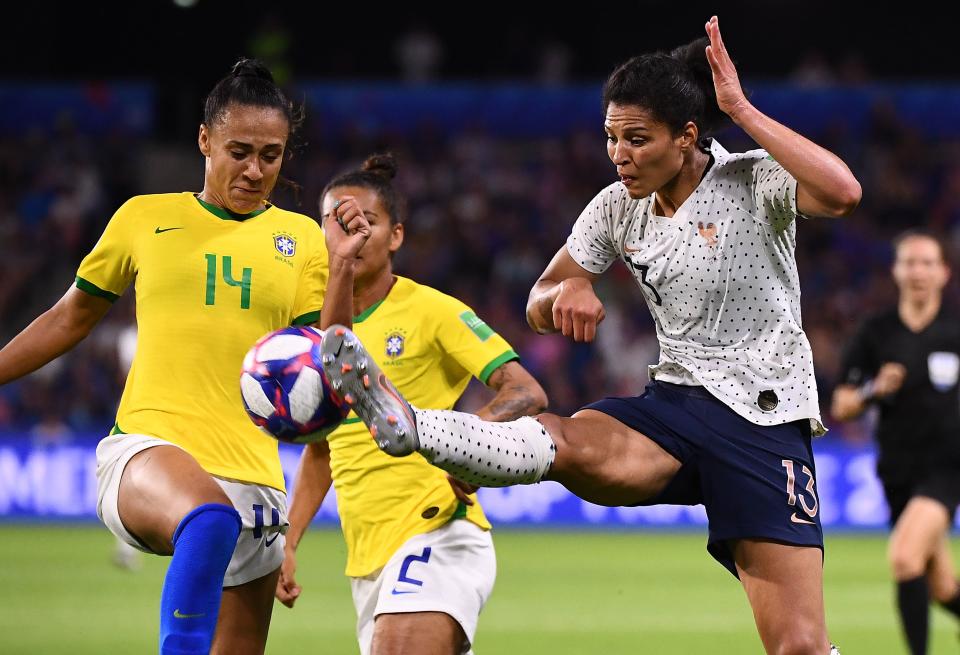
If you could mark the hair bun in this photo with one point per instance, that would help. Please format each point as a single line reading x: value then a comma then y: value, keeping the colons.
x: 384, y: 164
x: 246, y: 67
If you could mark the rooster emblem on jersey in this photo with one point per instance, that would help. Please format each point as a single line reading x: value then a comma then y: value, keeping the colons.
x: 709, y: 232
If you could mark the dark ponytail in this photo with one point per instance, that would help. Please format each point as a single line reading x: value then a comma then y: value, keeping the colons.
x: 249, y: 83
x: 677, y: 87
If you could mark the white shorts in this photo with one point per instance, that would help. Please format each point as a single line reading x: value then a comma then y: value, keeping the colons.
x: 263, y: 510
x: 449, y: 570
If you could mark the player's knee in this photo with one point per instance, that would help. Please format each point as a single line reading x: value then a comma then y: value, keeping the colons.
x: 219, y: 522
x: 905, y: 564
x: 803, y: 642
x: 572, y: 453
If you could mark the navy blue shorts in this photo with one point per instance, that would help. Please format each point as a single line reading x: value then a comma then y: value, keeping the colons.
x: 756, y: 482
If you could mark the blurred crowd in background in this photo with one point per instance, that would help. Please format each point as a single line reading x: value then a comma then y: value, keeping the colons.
x: 487, y: 212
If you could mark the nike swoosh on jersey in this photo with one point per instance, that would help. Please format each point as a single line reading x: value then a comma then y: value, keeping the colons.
x: 160, y: 230
x: 178, y: 615
x: 398, y: 593
x: 269, y: 541
x: 796, y: 519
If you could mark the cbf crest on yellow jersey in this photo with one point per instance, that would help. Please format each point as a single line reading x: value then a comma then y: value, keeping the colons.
x: 208, y: 285
x: 430, y: 345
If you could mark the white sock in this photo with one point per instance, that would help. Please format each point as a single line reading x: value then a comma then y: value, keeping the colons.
x: 482, y: 452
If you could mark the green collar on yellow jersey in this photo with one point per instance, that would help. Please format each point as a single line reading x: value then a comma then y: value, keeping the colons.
x: 228, y: 215
x: 365, y: 314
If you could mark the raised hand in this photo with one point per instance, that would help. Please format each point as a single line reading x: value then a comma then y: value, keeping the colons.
x: 730, y: 96
x: 346, y: 229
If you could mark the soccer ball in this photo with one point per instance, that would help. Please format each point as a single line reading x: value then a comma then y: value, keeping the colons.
x: 285, y: 390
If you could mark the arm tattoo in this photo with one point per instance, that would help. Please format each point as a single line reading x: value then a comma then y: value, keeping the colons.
x: 512, y: 403
x: 513, y: 400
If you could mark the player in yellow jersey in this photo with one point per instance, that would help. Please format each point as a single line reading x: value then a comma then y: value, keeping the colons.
x: 184, y: 472
x: 420, y: 558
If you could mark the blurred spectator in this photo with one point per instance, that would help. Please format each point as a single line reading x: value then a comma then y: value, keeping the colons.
x: 420, y: 53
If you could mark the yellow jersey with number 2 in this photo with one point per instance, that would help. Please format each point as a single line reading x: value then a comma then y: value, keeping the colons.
x: 429, y: 344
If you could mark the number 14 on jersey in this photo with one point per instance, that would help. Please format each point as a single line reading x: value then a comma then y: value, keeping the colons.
x: 246, y: 275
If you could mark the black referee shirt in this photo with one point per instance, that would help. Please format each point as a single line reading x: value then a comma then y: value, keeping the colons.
x: 919, y: 427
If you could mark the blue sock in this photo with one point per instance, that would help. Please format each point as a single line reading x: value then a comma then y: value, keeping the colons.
x: 202, y: 547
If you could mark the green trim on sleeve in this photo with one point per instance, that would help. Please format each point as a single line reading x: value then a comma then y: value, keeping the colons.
x: 116, y: 430
x: 307, y: 319
x: 488, y: 370
x: 350, y: 420
x: 94, y: 290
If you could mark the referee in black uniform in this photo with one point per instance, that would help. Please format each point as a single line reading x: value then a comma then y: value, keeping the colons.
x: 907, y: 362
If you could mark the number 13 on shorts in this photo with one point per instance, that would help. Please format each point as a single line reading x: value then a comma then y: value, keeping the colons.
x: 809, y: 509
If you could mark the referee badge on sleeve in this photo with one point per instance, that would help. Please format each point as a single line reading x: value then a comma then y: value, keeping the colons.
x: 943, y: 368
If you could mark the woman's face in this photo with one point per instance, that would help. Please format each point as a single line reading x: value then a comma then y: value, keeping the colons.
x: 919, y: 269
x: 385, y: 236
x: 644, y: 150
x: 244, y: 150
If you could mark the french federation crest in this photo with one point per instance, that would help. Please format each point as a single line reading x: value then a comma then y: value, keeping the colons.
x: 285, y: 244
x: 395, y: 343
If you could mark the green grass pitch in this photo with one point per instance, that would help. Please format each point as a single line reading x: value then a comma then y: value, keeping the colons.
x: 556, y: 593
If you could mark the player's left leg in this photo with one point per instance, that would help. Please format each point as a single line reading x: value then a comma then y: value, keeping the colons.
x: 250, y: 581
x: 420, y: 633
x: 784, y: 585
x: 244, y: 619
x: 913, y: 543
x: 917, y: 536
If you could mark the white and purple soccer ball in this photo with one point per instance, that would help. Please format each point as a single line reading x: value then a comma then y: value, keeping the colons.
x: 284, y: 389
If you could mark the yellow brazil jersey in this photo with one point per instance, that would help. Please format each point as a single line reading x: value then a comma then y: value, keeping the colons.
x: 429, y: 345
x: 208, y: 285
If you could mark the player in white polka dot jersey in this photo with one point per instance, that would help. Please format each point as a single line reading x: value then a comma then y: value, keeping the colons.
x: 728, y: 416
x: 720, y: 279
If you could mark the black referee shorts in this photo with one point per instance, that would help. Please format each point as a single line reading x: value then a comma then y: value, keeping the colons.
x: 942, y: 486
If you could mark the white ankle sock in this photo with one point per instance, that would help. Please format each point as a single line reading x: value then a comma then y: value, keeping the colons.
x: 485, y: 453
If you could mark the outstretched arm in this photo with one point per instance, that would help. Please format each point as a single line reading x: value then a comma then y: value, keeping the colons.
x: 53, y: 333
x: 825, y: 185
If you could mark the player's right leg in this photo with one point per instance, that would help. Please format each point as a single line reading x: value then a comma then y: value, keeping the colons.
x: 596, y: 456
x: 784, y: 585
x: 427, y: 598
x: 423, y: 633
x: 158, y: 498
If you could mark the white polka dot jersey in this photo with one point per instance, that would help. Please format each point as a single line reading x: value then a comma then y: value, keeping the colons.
x: 720, y: 279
